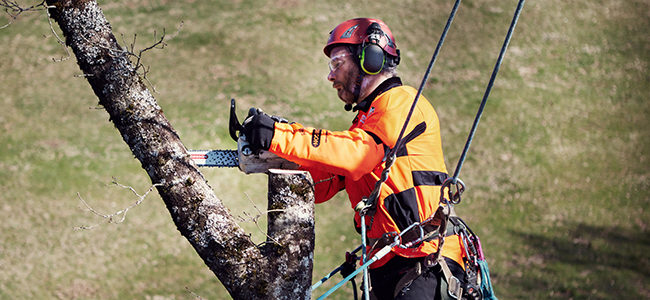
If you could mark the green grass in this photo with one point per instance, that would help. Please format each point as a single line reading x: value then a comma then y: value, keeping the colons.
x: 557, y: 175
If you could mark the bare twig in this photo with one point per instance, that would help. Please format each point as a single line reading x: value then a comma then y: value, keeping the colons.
x: 58, y: 39
x: 160, y: 44
x: 129, y: 49
x: 111, y: 218
x: 13, y: 9
x: 254, y: 218
x: 193, y: 294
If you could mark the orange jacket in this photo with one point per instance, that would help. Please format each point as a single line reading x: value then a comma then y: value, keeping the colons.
x: 352, y: 160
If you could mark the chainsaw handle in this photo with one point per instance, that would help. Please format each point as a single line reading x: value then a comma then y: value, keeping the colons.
x: 233, y: 123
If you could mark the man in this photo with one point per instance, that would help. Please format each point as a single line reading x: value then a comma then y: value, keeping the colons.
x: 363, y: 60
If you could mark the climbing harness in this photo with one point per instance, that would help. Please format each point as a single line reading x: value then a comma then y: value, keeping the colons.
x: 478, y: 284
x: 396, y: 240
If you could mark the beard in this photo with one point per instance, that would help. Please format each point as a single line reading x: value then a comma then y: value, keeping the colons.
x: 346, y: 94
x: 346, y: 86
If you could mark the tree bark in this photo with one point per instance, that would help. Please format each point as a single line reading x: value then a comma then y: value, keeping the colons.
x: 290, y: 243
x: 276, y: 270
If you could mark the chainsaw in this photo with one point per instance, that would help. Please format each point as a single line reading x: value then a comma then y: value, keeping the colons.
x: 244, y: 158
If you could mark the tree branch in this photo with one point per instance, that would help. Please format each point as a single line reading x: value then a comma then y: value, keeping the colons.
x: 246, y: 271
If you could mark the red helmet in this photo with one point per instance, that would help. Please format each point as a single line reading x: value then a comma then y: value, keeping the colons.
x: 355, y: 32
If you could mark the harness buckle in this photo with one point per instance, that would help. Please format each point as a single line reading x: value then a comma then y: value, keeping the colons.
x: 455, y: 290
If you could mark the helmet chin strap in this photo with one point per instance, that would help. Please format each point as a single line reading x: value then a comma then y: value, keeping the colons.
x: 355, y: 50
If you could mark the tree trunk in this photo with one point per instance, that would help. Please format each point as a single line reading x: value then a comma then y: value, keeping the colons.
x: 279, y: 271
x: 290, y: 243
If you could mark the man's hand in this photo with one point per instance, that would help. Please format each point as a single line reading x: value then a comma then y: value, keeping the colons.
x: 258, y: 129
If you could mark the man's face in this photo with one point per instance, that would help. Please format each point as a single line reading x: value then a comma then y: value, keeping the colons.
x: 343, y: 73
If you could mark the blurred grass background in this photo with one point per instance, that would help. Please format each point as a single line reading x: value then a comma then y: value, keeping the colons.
x: 557, y: 176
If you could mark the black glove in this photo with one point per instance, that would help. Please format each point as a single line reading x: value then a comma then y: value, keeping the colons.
x: 349, y: 265
x: 258, y: 129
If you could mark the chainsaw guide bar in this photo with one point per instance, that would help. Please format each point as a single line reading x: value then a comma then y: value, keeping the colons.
x: 215, y: 158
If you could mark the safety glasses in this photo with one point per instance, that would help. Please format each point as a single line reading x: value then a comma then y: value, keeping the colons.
x: 337, y: 61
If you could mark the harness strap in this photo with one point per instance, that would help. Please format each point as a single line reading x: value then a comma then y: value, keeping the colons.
x: 368, y: 205
x: 454, y: 287
x: 406, y: 280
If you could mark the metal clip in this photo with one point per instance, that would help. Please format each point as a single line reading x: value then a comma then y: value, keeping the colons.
x: 416, y: 241
x: 362, y: 206
x: 453, y: 196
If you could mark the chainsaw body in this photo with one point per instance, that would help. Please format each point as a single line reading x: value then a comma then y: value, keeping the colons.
x: 261, y: 162
x: 244, y: 158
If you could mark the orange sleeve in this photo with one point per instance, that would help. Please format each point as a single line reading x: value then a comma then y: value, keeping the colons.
x: 326, y: 184
x: 351, y: 153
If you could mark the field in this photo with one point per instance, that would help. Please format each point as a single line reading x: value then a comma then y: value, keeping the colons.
x: 558, y: 175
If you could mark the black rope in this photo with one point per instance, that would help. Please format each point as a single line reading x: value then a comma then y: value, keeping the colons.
x: 400, y: 140
x: 354, y: 289
x: 367, y: 205
x: 513, y: 24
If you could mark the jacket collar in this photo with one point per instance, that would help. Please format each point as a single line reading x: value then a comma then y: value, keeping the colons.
x: 388, y: 84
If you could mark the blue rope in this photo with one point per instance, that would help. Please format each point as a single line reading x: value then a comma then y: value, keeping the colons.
x: 328, y: 276
x: 486, y: 282
x: 375, y: 258
x: 461, y: 160
x: 364, y: 259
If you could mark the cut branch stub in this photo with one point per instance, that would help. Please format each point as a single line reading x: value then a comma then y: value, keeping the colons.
x: 290, y: 244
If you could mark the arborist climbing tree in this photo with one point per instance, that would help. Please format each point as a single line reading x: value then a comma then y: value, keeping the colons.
x: 405, y: 217
x: 363, y: 69
x: 391, y: 130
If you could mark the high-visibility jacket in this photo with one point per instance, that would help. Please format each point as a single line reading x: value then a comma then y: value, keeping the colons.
x: 353, y: 160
